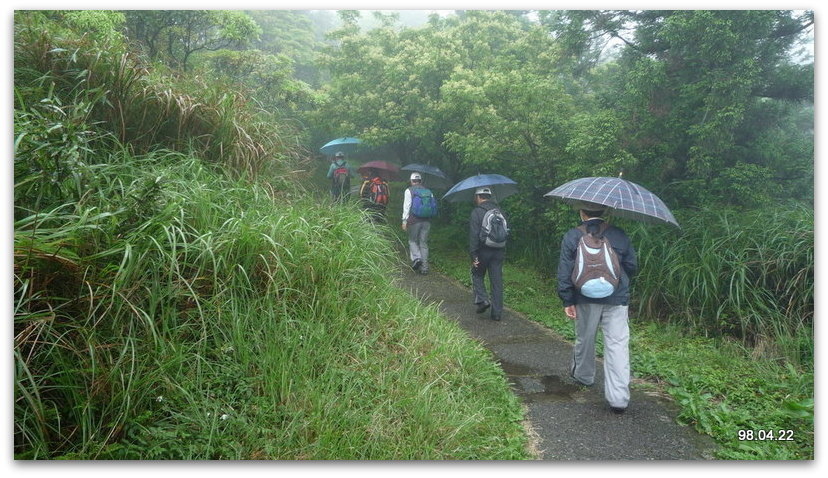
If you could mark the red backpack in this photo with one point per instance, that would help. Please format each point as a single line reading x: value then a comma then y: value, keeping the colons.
x: 378, y: 191
x: 340, y: 174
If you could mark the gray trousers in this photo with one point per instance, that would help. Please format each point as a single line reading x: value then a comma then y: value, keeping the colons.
x: 613, y: 320
x: 418, y: 242
x: 491, y: 261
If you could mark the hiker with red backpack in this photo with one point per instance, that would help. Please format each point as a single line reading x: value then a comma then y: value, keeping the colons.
x: 419, y: 206
x: 340, y: 173
x: 596, y: 263
x: 374, y: 195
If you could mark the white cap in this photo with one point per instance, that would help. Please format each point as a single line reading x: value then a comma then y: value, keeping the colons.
x: 482, y: 190
x: 416, y: 176
x: 339, y: 154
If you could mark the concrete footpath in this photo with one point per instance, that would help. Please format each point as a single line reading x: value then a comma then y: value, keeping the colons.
x: 566, y: 420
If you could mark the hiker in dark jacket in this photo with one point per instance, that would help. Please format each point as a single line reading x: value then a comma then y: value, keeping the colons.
x: 485, y: 259
x: 611, y: 313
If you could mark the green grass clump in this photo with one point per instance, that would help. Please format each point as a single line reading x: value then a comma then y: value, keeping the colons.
x: 172, y: 314
x: 723, y: 389
x: 72, y: 87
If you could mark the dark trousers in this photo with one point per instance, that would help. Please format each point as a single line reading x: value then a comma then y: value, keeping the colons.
x: 341, y: 192
x: 491, y: 262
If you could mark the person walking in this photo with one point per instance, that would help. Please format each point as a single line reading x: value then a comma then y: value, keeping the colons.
x: 374, y: 195
x: 419, y: 206
x: 340, y: 173
x: 486, y: 255
x: 590, y: 310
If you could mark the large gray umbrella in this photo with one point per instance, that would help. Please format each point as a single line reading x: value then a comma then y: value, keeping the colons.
x: 623, y: 198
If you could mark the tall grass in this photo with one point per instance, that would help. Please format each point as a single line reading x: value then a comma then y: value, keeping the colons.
x: 163, y: 311
x: 141, y: 106
x: 223, y: 324
x: 748, y: 275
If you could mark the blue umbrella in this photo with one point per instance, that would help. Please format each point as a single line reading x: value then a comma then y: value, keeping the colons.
x: 501, y: 187
x: 346, y: 145
x: 623, y: 198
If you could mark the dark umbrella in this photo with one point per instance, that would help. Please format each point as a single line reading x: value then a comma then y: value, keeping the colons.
x: 424, y: 168
x: 439, y: 179
x: 501, y: 187
x: 386, y: 170
x: 346, y: 145
x: 623, y: 198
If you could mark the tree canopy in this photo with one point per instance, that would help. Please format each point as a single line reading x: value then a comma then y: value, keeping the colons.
x: 688, y: 105
x: 704, y: 107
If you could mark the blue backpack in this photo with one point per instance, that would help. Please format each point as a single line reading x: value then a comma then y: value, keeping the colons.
x: 423, y: 202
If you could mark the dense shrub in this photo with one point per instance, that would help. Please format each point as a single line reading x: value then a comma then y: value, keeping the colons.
x: 745, y: 274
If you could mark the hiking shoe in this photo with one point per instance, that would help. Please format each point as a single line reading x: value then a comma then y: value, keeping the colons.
x: 496, y: 317
x: 482, y: 307
x: 579, y: 382
x: 416, y: 264
x: 618, y: 410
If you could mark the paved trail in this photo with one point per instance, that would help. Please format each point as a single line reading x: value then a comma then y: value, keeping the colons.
x: 571, y: 422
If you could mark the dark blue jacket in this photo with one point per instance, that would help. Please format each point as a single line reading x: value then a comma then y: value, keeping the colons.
x: 626, y: 256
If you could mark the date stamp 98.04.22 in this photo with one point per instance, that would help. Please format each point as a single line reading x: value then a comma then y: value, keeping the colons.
x: 766, y: 435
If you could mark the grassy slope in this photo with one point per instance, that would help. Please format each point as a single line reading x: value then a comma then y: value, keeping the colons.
x: 229, y: 325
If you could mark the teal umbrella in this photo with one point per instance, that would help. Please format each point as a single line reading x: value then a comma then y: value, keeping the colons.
x: 345, y: 145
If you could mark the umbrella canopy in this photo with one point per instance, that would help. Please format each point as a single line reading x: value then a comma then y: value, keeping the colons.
x: 346, y: 145
x: 424, y: 168
x: 386, y: 170
x: 501, y: 187
x: 623, y: 198
x: 437, y: 177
